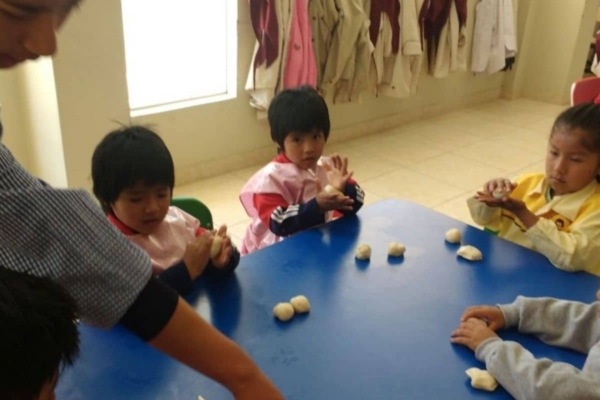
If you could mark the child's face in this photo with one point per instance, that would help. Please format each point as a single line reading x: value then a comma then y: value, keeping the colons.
x: 570, y: 166
x: 142, y: 208
x: 28, y: 28
x: 304, y: 149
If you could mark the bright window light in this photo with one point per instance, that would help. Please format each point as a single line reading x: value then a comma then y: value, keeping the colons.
x: 179, y: 53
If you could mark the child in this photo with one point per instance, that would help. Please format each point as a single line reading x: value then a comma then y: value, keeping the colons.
x: 557, y: 213
x: 291, y: 193
x: 134, y: 176
x: 39, y: 335
x: 568, y: 324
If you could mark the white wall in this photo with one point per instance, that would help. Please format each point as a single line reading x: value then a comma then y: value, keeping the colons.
x: 15, y: 135
x: 555, y: 39
x: 40, y: 108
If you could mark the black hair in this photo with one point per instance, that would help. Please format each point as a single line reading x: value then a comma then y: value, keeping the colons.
x: 38, y: 331
x: 126, y: 156
x: 584, y: 116
x: 300, y: 110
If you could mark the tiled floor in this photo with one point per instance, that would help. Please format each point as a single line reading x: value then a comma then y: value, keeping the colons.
x: 437, y: 162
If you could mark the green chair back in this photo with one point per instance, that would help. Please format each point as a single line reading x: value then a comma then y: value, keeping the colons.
x: 196, y: 208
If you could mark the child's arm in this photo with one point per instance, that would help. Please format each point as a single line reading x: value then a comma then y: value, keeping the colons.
x: 482, y: 214
x: 577, y: 250
x: 564, y: 323
x: 178, y: 277
x: 284, y: 219
x: 528, y: 378
x: 569, y: 324
x: 485, y: 212
x: 356, y: 193
x: 229, y: 267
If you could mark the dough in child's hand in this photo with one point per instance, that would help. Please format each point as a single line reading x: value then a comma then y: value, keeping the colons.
x: 215, y: 248
x: 363, y: 252
x: 283, y: 311
x: 453, y: 236
x: 300, y: 304
x: 498, y: 194
x: 396, y: 249
x: 470, y: 253
x: 331, y: 190
x: 481, y: 379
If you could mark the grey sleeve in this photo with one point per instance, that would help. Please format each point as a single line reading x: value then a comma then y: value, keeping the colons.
x: 63, y: 235
x: 569, y: 324
x: 527, y: 378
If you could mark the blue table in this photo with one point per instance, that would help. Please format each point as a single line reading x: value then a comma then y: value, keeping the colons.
x: 378, y: 329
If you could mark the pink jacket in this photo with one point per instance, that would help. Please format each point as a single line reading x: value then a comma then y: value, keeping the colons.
x: 167, y: 244
x: 294, y: 184
x: 300, y: 65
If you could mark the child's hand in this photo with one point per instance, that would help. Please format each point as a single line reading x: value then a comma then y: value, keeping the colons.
x: 472, y: 333
x: 508, y: 203
x: 197, y: 254
x: 500, y: 184
x: 493, y: 316
x: 332, y: 201
x: 221, y: 260
x: 337, y: 172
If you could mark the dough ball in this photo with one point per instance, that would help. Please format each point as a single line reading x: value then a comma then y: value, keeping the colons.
x: 470, y: 253
x: 396, y: 249
x: 481, y: 379
x: 331, y: 190
x: 363, y: 252
x: 498, y: 194
x: 283, y: 311
x: 300, y: 304
x: 215, y: 247
x: 453, y: 236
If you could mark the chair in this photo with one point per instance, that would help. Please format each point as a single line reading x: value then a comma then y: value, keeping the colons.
x: 195, y: 208
x: 585, y: 90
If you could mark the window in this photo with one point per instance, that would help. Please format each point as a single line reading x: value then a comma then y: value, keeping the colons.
x: 179, y: 53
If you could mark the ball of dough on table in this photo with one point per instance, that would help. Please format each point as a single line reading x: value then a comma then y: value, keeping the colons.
x: 396, y: 249
x: 283, y: 311
x: 453, y: 236
x: 470, y: 253
x: 363, y: 252
x: 301, y: 304
x: 481, y: 379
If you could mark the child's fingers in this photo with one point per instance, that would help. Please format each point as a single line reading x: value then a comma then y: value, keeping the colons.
x: 343, y: 165
x: 319, y: 186
x: 473, y: 312
x: 222, y: 230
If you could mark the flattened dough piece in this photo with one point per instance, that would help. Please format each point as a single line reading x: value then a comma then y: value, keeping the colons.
x: 363, y: 252
x: 396, y: 249
x: 453, y: 236
x: 301, y: 304
x: 481, y: 379
x: 283, y: 311
x: 470, y: 253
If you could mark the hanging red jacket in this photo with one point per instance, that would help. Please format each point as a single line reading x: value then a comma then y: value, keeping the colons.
x: 266, y: 30
x: 435, y: 14
x: 392, y: 9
